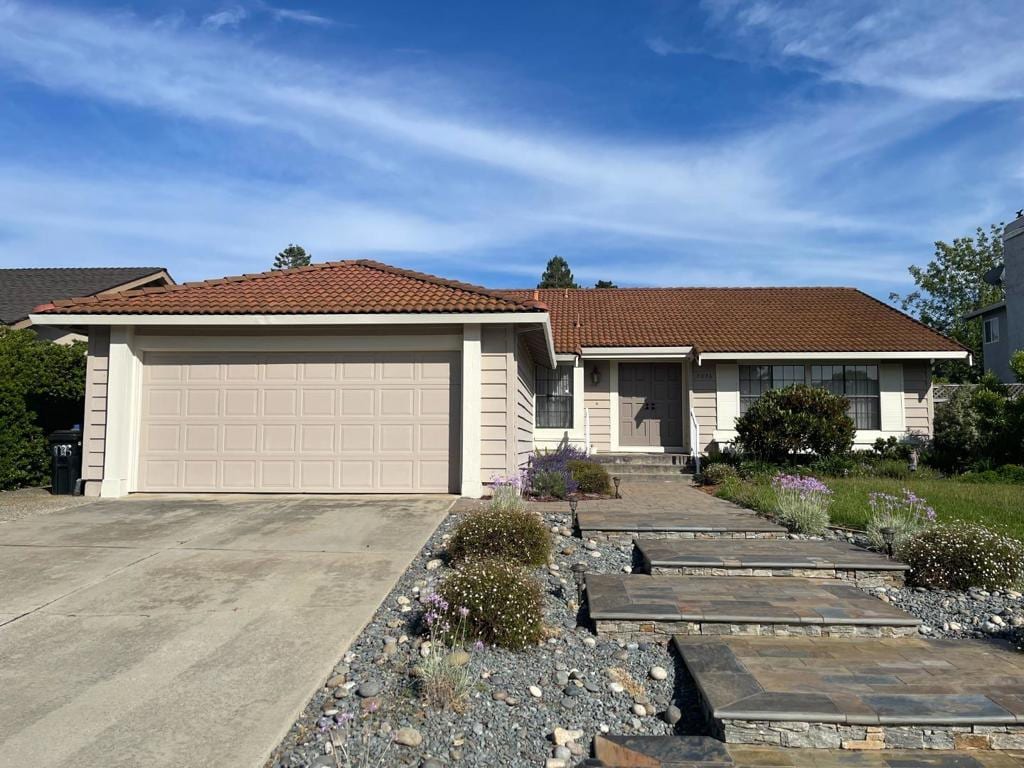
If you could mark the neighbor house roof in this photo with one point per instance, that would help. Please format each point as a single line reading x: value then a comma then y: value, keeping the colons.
x: 734, y: 320
x: 23, y: 289
x: 340, y: 287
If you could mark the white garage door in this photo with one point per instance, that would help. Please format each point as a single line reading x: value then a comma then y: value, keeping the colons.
x: 299, y: 422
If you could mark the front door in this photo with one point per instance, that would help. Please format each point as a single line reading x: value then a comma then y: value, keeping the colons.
x: 650, y: 405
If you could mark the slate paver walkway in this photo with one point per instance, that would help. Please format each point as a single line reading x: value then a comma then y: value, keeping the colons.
x: 737, y: 599
x: 693, y: 751
x: 866, y: 681
x: 763, y: 553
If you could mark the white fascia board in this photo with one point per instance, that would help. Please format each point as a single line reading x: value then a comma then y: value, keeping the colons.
x: 634, y: 353
x: 388, y: 318
x: 937, y: 355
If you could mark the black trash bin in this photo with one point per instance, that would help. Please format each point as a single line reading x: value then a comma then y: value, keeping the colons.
x: 66, y: 453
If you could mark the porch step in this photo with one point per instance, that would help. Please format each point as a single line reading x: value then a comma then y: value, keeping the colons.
x: 763, y: 557
x: 613, y: 751
x: 650, y: 459
x: 859, y: 693
x: 632, y: 606
x: 653, y: 475
x: 718, y: 519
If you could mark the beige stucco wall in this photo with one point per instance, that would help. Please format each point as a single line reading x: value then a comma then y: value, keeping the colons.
x: 94, y: 420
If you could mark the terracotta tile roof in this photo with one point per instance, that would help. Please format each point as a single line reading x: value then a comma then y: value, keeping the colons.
x: 341, y: 287
x: 734, y: 320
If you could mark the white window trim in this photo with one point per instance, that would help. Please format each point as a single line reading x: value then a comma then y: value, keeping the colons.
x: 554, y: 435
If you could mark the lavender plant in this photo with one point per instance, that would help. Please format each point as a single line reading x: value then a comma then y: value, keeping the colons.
x: 901, y: 517
x: 544, y: 464
x: 802, y: 503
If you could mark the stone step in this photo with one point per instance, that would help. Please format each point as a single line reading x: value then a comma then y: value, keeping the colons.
x: 719, y: 519
x: 637, y: 468
x: 614, y: 751
x: 660, y: 459
x: 638, y: 606
x: 859, y: 693
x: 763, y: 557
x: 671, y: 476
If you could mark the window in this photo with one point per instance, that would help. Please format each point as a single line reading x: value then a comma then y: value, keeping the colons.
x: 857, y: 383
x: 991, y: 329
x: 554, y: 397
x: 755, y: 380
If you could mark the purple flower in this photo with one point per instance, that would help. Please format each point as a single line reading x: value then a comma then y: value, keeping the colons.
x: 463, y: 612
x: 479, y: 645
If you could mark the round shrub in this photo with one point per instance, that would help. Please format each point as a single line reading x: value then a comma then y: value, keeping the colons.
x: 515, y: 535
x: 502, y: 604
x: 717, y: 473
x: 549, y: 483
x: 793, y: 420
x: 964, y: 555
x: 590, y: 477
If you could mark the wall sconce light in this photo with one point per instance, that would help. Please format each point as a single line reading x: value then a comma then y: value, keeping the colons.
x: 595, y: 375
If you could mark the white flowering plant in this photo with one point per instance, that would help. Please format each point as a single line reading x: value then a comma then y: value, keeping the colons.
x: 898, y: 518
x: 802, y: 502
x: 963, y: 555
x: 516, y: 535
x: 503, y: 603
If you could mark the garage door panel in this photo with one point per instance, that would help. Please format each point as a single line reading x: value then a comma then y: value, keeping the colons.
x: 290, y: 422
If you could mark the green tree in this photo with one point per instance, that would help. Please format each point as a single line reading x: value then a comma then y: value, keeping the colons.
x: 557, y: 274
x: 950, y: 286
x: 292, y: 256
x: 41, y: 389
x: 1017, y: 365
x: 605, y: 284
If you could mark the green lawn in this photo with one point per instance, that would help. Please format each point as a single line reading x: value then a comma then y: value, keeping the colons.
x: 998, y: 506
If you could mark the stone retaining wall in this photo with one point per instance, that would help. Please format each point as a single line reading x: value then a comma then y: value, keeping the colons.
x: 639, y: 630
x: 860, y: 737
x: 861, y: 578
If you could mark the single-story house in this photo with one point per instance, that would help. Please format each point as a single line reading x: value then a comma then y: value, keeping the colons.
x: 22, y: 289
x: 355, y: 376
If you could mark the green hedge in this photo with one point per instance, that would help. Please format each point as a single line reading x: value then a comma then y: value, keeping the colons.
x: 42, y: 388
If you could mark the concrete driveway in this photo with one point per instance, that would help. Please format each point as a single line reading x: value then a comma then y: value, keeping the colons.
x: 186, y: 631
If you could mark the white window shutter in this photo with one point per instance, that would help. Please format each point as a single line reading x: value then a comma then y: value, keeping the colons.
x: 890, y: 389
x: 727, y: 376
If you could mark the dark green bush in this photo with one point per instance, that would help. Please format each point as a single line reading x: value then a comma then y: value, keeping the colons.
x: 752, y: 469
x: 1007, y: 473
x: 794, y: 420
x: 504, y: 603
x: 717, y: 473
x: 518, y: 536
x: 838, y: 465
x: 964, y: 555
x: 978, y: 425
x: 549, y: 483
x: 42, y: 387
x: 590, y: 477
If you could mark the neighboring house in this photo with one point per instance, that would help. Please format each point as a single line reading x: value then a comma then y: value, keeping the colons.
x: 1003, y: 322
x: 359, y: 377
x: 21, y: 290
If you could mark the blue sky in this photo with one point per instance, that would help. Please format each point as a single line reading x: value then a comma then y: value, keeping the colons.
x: 650, y: 143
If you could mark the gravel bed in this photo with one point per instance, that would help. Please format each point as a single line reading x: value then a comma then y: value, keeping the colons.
x: 504, y: 723
x: 29, y: 502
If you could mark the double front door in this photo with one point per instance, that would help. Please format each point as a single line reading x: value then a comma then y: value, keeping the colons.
x: 651, y: 405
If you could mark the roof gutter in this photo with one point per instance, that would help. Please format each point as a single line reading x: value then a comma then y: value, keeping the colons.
x: 946, y: 354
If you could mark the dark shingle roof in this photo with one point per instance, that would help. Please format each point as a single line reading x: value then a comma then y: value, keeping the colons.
x: 22, y: 290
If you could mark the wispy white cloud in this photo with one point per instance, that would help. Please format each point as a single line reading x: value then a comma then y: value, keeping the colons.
x: 229, y: 17
x: 661, y: 46
x: 428, y: 175
x: 300, y: 16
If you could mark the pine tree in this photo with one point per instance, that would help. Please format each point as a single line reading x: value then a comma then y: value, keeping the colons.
x: 557, y: 274
x: 605, y: 284
x: 292, y: 256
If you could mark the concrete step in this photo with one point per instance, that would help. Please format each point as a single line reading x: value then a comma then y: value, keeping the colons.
x: 663, y: 459
x: 718, y: 519
x: 859, y: 693
x: 762, y: 557
x: 615, y: 751
x: 637, y: 606
x: 655, y: 476
x: 643, y: 468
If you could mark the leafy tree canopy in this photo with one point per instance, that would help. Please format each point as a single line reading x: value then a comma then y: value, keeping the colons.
x: 557, y: 274
x: 292, y: 256
x: 950, y: 286
x: 605, y: 284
